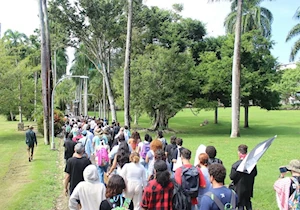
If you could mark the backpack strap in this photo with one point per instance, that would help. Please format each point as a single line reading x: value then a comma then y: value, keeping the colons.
x: 126, y: 203
x: 233, y: 199
x: 216, y: 200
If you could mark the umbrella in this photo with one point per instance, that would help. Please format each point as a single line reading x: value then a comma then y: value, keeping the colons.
x: 256, y: 153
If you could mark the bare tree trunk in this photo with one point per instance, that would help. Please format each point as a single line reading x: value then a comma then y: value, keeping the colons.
x: 127, y: 67
x: 236, y: 70
x: 85, y: 97
x: 20, y: 101
x: 246, y: 123
x: 110, y: 95
x: 11, y: 116
x: 216, y: 115
x: 104, y: 99
x: 35, y: 92
x: 80, y: 97
x: 44, y: 74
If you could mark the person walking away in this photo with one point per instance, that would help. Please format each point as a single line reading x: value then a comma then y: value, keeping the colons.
x: 169, y: 148
x: 219, y: 196
x: 134, y: 175
x: 189, y: 177
x: 30, y: 140
x: 160, y: 136
x: 89, y: 192
x: 115, y: 187
x: 176, y: 157
x: 243, y: 182
x: 287, y: 188
x: 158, y: 193
x: 144, y: 148
x: 127, y: 133
x: 202, y: 164
x: 67, y: 129
x: 102, y: 159
x: 74, y: 169
x: 69, y: 147
x: 212, y: 152
x: 154, y: 146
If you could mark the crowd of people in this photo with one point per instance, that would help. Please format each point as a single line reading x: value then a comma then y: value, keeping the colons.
x: 108, y: 167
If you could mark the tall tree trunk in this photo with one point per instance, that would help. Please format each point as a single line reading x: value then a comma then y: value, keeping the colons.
x: 44, y: 74
x: 127, y: 67
x: 20, y: 101
x: 246, y: 123
x: 216, y: 115
x: 54, y: 68
x: 160, y: 120
x: 236, y: 70
x: 35, y: 94
x: 80, y: 97
x: 85, y: 97
x: 110, y: 95
x: 104, y: 99
x: 11, y: 116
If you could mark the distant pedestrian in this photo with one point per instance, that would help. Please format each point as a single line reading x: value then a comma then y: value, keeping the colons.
x: 69, y: 147
x: 30, y: 141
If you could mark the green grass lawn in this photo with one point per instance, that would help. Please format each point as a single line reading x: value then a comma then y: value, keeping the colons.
x: 35, y: 185
x: 263, y: 125
x: 27, y: 185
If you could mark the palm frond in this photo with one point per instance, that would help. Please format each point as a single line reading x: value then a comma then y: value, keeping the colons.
x: 295, y: 31
x: 229, y: 22
x: 267, y: 13
x: 295, y: 50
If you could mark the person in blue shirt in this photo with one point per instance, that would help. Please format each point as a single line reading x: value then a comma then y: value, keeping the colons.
x: 217, y: 173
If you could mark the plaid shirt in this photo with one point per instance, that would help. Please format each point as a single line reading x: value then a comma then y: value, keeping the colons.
x: 156, y: 197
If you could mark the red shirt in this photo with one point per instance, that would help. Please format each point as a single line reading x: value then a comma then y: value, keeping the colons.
x: 178, y: 179
x: 157, y: 197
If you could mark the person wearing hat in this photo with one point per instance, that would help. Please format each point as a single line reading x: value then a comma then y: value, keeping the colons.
x: 286, y: 186
x: 30, y: 141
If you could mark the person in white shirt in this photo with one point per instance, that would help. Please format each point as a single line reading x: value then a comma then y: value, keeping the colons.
x: 134, y: 175
x: 89, y: 192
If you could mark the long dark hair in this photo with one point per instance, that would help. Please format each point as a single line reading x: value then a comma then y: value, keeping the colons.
x: 162, y: 173
x: 123, y: 154
x: 115, y: 186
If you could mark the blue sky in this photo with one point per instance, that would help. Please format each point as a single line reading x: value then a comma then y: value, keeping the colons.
x: 22, y: 15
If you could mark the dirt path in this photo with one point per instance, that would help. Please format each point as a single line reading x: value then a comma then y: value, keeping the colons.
x: 15, y: 177
x: 61, y: 201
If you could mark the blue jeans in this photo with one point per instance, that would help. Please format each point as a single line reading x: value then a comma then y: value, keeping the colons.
x: 101, y: 170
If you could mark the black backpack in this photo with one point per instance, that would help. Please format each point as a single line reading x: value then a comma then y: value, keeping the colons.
x: 190, y: 180
x: 221, y: 206
x: 181, y: 200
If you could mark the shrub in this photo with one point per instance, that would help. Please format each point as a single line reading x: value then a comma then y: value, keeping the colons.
x: 58, y: 123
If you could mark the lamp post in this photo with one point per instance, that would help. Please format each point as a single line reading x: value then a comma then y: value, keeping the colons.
x: 52, y: 103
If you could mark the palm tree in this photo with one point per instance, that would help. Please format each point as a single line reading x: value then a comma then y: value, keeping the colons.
x: 15, y: 42
x: 236, y: 73
x: 127, y: 66
x: 14, y: 38
x: 295, y: 31
x: 254, y: 17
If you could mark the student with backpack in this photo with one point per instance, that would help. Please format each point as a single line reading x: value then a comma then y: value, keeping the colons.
x: 219, y: 196
x: 189, y: 177
x: 144, y: 148
x: 102, y: 159
x: 287, y: 188
x: 115, y: 187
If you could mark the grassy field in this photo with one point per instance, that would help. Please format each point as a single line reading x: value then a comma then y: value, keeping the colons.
x: 27, y: 185
x: 263, y: 125
x: 35, y: 185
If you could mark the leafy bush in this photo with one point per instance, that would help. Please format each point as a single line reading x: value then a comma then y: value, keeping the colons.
x: 58, y: 123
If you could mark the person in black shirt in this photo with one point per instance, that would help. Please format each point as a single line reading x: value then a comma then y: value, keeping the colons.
x: 74, y: 168
x: 69, y: 147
